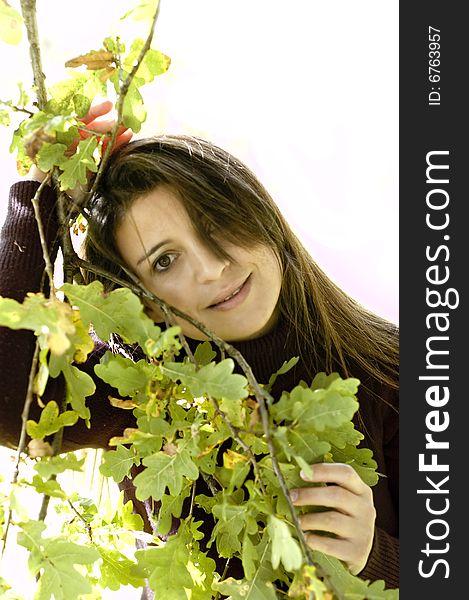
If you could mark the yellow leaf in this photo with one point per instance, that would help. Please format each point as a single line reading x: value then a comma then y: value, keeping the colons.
x: 230, y: 458
x: 97, y: 59
x: 125, y: 404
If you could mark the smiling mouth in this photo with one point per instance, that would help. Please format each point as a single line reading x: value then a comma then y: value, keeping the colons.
x: 232, y: 295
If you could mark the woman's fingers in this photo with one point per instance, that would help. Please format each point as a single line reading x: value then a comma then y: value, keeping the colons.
x: 338, y: 473
x: 349, y: 527
x: 330, y: 521
x: 341, y: 549
x: 97, y: 110
x: 102, y: 126
x: 332, y: 496
x: 122, y: 138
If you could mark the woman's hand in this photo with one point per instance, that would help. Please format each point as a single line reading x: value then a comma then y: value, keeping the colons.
x: 99, y: 120
x: 351, y: 519
x: 93, y: 122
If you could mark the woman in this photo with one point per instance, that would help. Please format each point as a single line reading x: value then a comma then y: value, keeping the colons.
x: 200, y: 232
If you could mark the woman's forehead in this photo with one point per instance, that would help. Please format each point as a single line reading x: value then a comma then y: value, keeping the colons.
x: 159, y: 209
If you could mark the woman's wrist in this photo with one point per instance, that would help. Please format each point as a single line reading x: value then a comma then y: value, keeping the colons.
x: 35, y: 174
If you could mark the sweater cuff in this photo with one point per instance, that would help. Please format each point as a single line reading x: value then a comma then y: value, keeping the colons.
x: 383, y: 562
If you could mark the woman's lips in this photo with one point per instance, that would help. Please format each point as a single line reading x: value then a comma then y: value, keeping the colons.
x: 236, y: 299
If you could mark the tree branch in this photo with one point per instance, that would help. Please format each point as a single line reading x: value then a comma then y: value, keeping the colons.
x: 235, y: 435
x: 124, y: 88
x: 16, y: 108
x: 28, y: 10
x: 42, y: 235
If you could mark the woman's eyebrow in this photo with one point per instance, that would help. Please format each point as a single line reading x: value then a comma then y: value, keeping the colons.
x: 152, y: 250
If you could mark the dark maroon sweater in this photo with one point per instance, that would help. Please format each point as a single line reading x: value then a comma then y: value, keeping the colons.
x: 21, y: 270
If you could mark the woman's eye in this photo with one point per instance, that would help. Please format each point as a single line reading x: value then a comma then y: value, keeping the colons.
x: 164, y: 262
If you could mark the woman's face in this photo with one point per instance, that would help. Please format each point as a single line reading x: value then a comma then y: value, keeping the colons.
x: 235, y: 298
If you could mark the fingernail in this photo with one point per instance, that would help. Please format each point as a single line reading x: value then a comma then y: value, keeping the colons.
x: 304, y: 476
x: 293, y: 495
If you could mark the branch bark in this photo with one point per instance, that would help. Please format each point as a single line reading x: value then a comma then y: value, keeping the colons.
x: 124, y: 88
x: 28, y: 10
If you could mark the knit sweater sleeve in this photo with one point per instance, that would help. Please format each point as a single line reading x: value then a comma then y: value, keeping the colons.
x: 383, y: 562
x: 22, y: 271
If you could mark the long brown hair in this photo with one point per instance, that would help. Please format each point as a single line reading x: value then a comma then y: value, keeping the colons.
x: 225, y: 200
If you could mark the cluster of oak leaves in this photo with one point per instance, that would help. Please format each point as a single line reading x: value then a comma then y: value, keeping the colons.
x: 182, y: 411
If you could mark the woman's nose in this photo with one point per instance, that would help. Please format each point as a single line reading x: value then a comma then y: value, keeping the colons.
x: 207, y: 265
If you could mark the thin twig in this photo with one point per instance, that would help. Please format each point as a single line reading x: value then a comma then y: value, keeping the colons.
x: 82, y: 518
x: 124, y: 88
x: 28, y: 10
x: 16, y: 108
x: 71, y: 273
x: 22, y: 441
x: 42, y: 236
x: 235, y: 435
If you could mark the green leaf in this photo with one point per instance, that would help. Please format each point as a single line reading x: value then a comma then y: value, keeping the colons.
x: 126, y: 517
x: 285, y: 548
x: 165, y: 341
x: 287, y: 365
x: 230, y: 524
x: 75, y: 169
x: 164, y: 470
x: 117, y: 570
x: 74, y: 94
x: 305, y: 582
x: 50, y: 319
x: 361, y: 459
x: 128, y: 377
x: 23, y: 161
x: 117, y: 463
x: 79, y: 385
x: 81, y: 104
x: 51, y: 155
x: 145, y: 10
x: 5, y: 118
x: 11, y: 24
x: 321, y: 408
x: 53, y: 465
x: 51, y: 487
x: 154, y: 62
x: 50, y: 421
x: 216, y: 380
x: 5, y: 590
x: 204, y: 353
x: 349, y: 586
x: 249, y: 557
x: 166, y: 566
x: 134, y: 112
x: 257, y: 587
x: 171, y: 506
x: 342, y: 436
x: 56, y: 558
x: 300, y: 442
x: 118, y: 312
